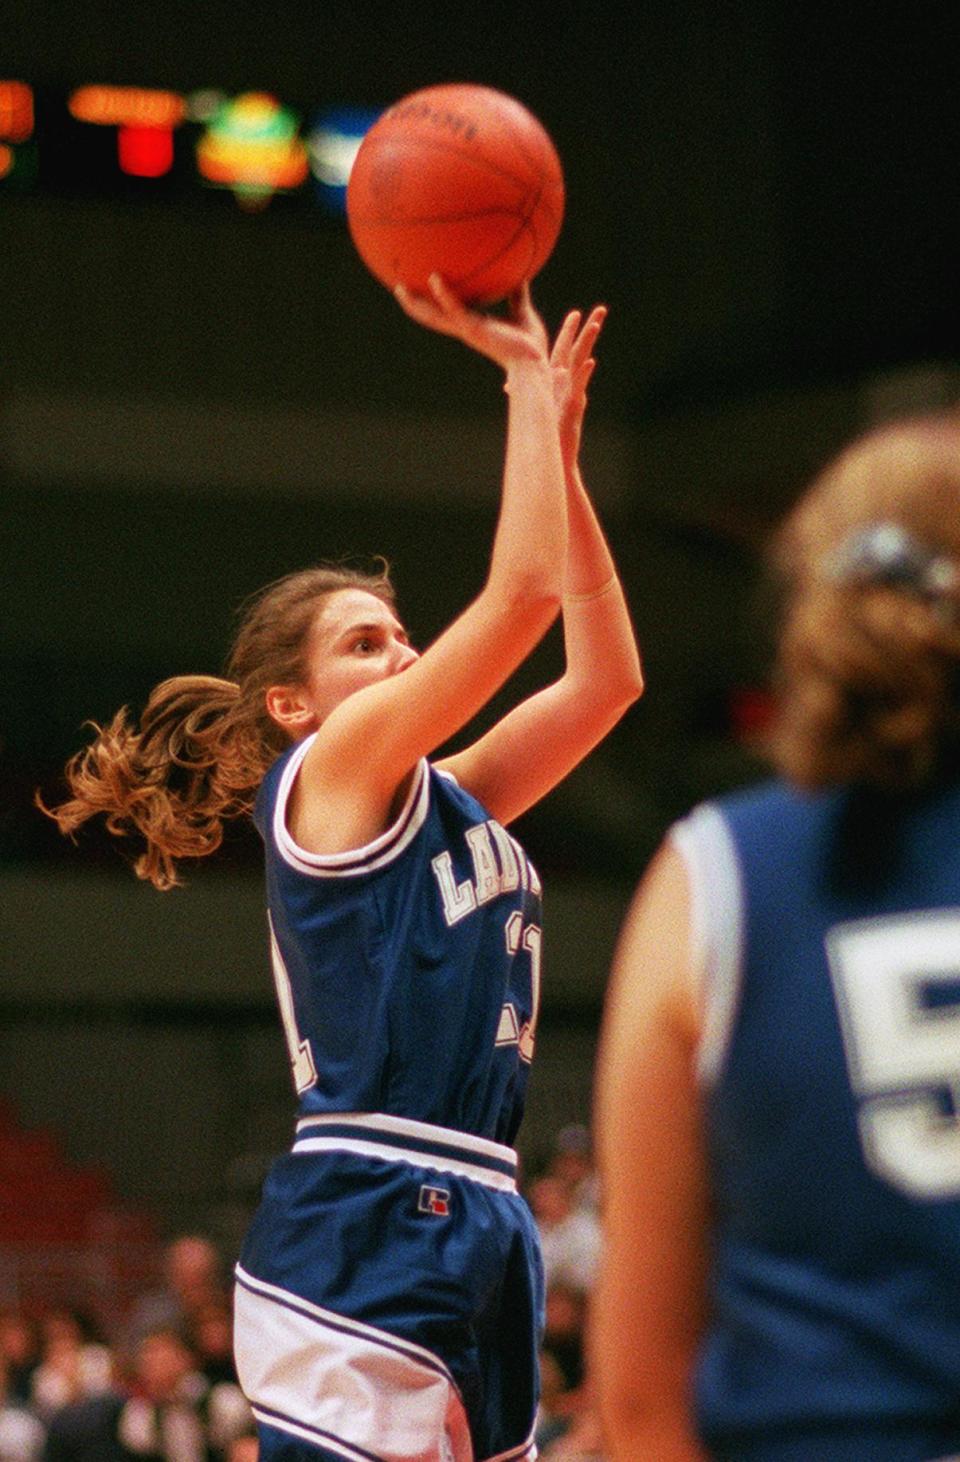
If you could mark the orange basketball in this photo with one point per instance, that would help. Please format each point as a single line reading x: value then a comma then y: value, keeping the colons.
x: 460, y: 180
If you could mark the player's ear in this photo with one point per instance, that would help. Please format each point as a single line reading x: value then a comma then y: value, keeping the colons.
x: 288, y: 706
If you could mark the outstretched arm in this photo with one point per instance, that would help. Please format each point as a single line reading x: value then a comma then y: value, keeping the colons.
x: 371, y: 740
x: 535, y: 746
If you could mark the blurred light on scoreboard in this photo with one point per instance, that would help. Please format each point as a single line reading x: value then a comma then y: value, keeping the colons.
x: 251, y: 144
x: 144, y: 120
x: 126, y: 141
x: 127, y: 106
x: 16, y: 111
x: 333, y: 142
x: 17, y: 124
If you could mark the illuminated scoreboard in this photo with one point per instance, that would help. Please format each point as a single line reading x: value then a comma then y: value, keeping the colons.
x: 133, y: 141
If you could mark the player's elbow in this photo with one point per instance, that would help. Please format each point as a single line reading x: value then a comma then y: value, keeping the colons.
x: 531, y: 596
x: 612, y: 692
x: 628, y: 686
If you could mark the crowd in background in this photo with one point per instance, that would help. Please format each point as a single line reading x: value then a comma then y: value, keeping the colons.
x: 564, y: 1198
x: 165, y: 1387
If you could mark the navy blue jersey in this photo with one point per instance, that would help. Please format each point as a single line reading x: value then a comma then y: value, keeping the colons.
x: 389, y: 1292
x: 408, y: 971
x: 827, y: 928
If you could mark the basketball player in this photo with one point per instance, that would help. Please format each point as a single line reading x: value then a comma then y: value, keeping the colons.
x: 778, y: 1080
x: 389, y: 1294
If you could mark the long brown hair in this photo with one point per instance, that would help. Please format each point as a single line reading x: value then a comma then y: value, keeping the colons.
x: 203, y: 742
x: 867, y: 664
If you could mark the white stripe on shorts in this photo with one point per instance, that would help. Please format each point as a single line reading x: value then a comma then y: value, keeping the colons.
x: 356, y: 1390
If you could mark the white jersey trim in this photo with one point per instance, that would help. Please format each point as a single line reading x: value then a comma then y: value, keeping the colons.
x: 349, y: 1387
x: 412, y: 1128
x: 356, y: 861
x: 415, y: 1156
x: 716, y: 911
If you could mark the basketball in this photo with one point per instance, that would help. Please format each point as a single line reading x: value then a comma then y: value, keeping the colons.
x: 461, y: 180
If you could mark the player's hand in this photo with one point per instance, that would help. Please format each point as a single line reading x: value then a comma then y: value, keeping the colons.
x: 573, y: 363
x: 507, y: 341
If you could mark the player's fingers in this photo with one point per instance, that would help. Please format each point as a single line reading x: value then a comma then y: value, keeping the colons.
x: 565, y: 338
x: 450, y: 303
x: 582, y: 375
x: 585, y: 341
x: 417, y: 305
x: 522, y: 309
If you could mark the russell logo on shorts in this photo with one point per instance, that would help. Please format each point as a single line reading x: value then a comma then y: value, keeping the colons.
x: 435, y: 1201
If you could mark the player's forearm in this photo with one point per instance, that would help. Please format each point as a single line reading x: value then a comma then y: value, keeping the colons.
x: 598, y: 633
x: 590, y: 563
x: 530, y: 546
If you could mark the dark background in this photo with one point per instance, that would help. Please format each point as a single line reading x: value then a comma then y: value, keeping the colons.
x: 194, y: 400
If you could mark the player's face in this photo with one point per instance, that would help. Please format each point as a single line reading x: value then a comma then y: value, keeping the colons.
x: 356, y: 639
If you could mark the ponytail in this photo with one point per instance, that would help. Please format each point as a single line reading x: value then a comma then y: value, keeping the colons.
x: 203, y: 743
x: 174, y: 779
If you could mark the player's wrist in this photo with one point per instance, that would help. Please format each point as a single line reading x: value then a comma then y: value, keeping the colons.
x: 528, y: 371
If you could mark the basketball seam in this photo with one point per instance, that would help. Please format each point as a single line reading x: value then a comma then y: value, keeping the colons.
x: 520, y: 141
x: 524, y: 223
x: 540, y: 175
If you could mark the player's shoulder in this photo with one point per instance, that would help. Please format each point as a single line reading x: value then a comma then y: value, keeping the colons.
x: 754, y: 822
x: 273, y: 779
x: 768, y: 800
x: 771, y: 796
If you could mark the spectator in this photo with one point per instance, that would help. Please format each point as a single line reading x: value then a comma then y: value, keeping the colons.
x: 168, y: 1412
x: 19, y: 1352
x: 244, y: 1449
x: 212, y: 1336
x: 569, y: 1236
x: 74, y: 1365
x: 563, y: 1394
x: 21, y: 1434
x: 583, y: 1442
x: 193, y: 1280
x: 551, y: 1422
x: 563, y: 1337
x: 572, y: 1162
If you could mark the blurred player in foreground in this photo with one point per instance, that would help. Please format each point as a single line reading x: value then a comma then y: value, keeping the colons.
x: 777, y: 1118
x: 389, y: 1293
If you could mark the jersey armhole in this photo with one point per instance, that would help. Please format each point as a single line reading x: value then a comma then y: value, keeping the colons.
x: 704, y: 842
x: 383, y: 849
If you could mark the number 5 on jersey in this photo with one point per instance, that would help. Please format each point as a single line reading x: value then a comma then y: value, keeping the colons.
x: 897, y: 982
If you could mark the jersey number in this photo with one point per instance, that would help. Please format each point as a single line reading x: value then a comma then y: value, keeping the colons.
x: 528, y: 937
x: 301, y: 1055
x: 897, y: 983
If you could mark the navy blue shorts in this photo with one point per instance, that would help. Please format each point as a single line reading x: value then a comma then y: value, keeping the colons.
x: 389, y: 1298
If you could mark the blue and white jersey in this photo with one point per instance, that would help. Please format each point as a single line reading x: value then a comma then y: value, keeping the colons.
x: 389, y: 1296
x: 408, y: 971
x: 827, y: 933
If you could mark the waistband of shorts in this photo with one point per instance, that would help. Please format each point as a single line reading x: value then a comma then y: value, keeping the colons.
x: 401, y: 1139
